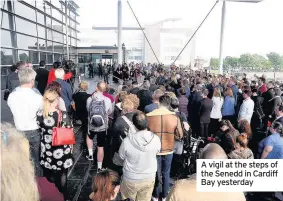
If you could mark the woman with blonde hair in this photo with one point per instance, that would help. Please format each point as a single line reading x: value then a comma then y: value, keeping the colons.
x: 17, y: 173
x: 55, y: 160
x: 215, y: 115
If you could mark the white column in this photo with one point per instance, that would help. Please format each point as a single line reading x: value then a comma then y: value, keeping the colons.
x: 120, y: 51
x: 222, y: 38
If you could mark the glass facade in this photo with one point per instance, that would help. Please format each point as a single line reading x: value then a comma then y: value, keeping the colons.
x: 35, y: 30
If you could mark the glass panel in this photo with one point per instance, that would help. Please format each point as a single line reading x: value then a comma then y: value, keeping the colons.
x: 6, y: 38
x: 57, y: 57
x: 40, y: 18
x: 56, y: 3
x: 49, y: 34
x: 42, y: 44
x: 49, y: 58
x: 26, y: 27
x: 58, y: 37
x: 73, y: 42
x: 26, y: 42
x: 58, y: 47
x: 3, y: 4
x: 31, y: 2
x: 41, y: 31
x: 42, y: 56
x: 49, y: 46
x: 24, y: 11
x: 72, y: 15
x: 56, y: 14
x: 47, y: 9
x: 5, y: 21
x: 40, y: 5
x: 6, y: 56
x: 57, y: 26
x: 48, y: 22
x: 27, y: 56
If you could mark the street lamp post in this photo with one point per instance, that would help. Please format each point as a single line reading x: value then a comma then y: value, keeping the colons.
x: 220, y: 69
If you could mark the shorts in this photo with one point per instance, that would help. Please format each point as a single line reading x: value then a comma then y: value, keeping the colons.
x: 101, y: 137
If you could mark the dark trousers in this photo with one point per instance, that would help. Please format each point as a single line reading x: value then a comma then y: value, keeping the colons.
x: 100, y: 73
x: 213, y: 126
x: 59, y: 178
x: 231, y: 118
x: 34, y: 137
x: 203, y: 131
x: 163, y: 175
x: 91, y: 74
x: 106, y: 78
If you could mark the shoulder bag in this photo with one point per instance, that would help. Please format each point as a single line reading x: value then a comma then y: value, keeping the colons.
x: 62, y: 136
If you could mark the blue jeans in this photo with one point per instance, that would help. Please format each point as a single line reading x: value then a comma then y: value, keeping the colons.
x: 163, y: 175
x: 34, y: 137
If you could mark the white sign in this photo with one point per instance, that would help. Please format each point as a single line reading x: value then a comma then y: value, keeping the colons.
x: 245, y: 175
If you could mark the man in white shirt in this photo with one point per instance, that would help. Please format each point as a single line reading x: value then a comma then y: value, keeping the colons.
x: 247, y: 107
x: 24, y: 104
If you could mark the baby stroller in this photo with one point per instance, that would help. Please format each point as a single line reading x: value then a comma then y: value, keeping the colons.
x: 185, y: 162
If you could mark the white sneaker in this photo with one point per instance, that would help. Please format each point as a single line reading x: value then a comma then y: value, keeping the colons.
x: 154, y: 199
x: 90, y: 158
x: 163, y: 199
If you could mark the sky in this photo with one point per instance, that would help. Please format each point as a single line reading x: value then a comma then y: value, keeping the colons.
x: 249, y: 27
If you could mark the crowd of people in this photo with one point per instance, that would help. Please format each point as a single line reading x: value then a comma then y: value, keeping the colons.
x: 139, y: 130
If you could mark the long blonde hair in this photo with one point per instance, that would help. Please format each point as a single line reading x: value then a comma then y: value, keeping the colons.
x: 17, y: 173
x: 48, y: 98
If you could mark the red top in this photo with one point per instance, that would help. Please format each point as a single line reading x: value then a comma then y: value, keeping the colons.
x: 109, y: 96
x: 51, y: 76
x: 262, y: 89
x: 47, y: 190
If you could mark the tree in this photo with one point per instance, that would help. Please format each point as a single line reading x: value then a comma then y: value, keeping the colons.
x: 275, y: 59
x: 231, y: 61
x: 214, y: 63
x: 24, y: 57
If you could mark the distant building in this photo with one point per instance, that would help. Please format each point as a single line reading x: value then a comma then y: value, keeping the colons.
x: 167, y: 39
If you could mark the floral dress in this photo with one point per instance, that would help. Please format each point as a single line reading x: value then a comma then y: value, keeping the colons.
x: 55, y: 158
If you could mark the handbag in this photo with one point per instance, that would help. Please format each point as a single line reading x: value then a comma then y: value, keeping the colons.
x: 62, y: 136
x: 6, y: 94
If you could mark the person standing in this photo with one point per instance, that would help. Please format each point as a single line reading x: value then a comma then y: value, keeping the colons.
x: 261, y: 85
x: 106, y: 70
x: 52, y: 77
x: 215, y: 114
x: 100, y: 69
x: 12, y: 80
x: 91, y: 70
x: 247, y: 107
x: 166, y: 125
x: 80, y: 99
x: 99, y: 107
x: 66, y: 89
x: 41, y: 77
x: 144, y: 95
x: 24, y: 104
x: 54, y: 160
x: 156, y: 95
x: 183, y: 102
x: 205, y: 108
x: 228, y: 109
x: 139, y: 177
